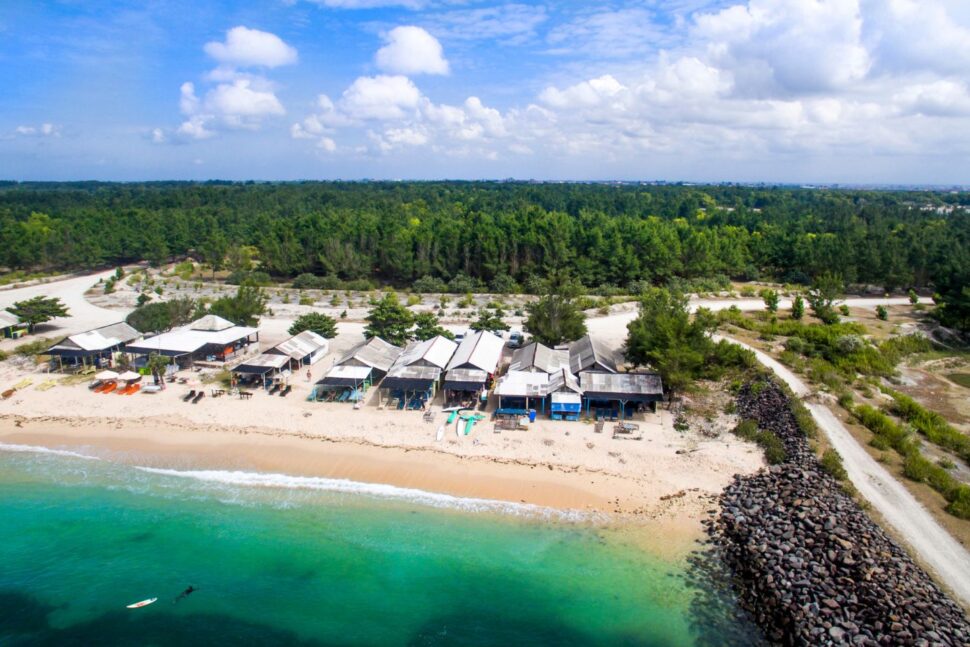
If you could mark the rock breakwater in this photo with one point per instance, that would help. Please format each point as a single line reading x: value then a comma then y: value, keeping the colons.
x: 808, y: 564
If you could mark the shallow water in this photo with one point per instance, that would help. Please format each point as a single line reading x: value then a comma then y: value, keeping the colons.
x: 310, y: 561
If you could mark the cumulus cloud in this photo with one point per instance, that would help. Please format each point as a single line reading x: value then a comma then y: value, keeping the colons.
x: 379, y: 97
x: 42, y: 130
x: 246, y: 47
x: 411, y: 50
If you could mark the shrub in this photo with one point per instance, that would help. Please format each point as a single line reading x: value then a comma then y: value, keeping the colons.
x: 844, y: 310
x: 256, y: 278
x: 427, y: 284
x: 306, y: 301
x: 882, y: 313
x: 831, y: 462
x: 35, y: 347
x: 930, y: 424
x: 413, y: 299
x: 773, y: 448
x: 747, y: 291
x: 845, y: 401
x: 3, y: 355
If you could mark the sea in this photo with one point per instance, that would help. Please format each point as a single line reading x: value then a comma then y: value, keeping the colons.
x: 278, y: 560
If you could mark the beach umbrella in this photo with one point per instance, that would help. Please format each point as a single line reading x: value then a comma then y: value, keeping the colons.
x: 106, y: 375
x: 129, y: 376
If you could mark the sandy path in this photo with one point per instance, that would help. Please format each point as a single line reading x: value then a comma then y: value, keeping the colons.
x: 934, y: 545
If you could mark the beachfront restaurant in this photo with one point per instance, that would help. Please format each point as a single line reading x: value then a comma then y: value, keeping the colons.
x: 262, y: 370
x: 614, y: 396
x: 304, y: 349
x: 11, y: 326
x: 91, y: 348
x: 362, y: 367
x: 412, y: 381
x: 209, y: 339
x: 471, y: 369
x: 520, y: 391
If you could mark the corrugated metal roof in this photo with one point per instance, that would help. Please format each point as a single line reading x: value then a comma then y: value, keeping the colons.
x: 100, y: 338
x: 375, y: 352
x: 8, y: 319
x: 264, y: 360
x: 621, y: 383
x: 301, y: 345
x: 523, y: 384
x: 536, y: 356
x: 187, y: 340
x: 465, y: 376
x: 563, y: 380
x: 348, y: 372
x: 436, y: 351
x: 211, y: 323
x: 587, y: 353
x: 481, y: 350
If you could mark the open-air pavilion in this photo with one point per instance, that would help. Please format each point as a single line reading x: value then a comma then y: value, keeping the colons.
x: 92, y: 348
x: 10, y: 326
x: 305, y: 349
x: 211, y: 339
x: 619, y: 395
x: 519, y: 391
x: 410, y: 387
x: 472, y: 367
x: 343, y: 383
x: 262, y: 369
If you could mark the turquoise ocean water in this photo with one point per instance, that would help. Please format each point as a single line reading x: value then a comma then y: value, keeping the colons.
x: 307, y: 561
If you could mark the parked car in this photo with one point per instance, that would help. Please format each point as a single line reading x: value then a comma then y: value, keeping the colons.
x: 516, y: 339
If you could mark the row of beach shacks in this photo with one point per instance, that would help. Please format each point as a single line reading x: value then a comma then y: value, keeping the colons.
x: 564, y: 382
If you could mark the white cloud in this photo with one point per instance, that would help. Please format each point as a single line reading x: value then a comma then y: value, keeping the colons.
x: 195, y: 128
x: 380, y: 97
x: 509, y: 23
x: 246, y: 47
x: 370, y: 4
x: 158, y: 136
x: 43, y: 130
x: 411, y: 50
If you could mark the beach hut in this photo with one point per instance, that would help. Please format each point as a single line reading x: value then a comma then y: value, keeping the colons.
x: 210, y: 339
x: 93, y: 347
x: 565, y: 396
x: 304, y: 349
x: 589, y: 354
x: 519, y: 391
x: 350, y: 377
x: 10, y: 326
x: 619, y: 395
x: 413, y: 379
x: 261, y: 369
x: 536, y: 357
x: 472, y: 367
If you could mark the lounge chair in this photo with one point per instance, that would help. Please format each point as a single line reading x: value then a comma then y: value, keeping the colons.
x: 95, y: 385
x: 189, y: 396
x: 198, y: 396
x: 133, y: 389
x: 109, y: 387
x: 286, y: 391
x: 276, y: 387
x: 343, y: 396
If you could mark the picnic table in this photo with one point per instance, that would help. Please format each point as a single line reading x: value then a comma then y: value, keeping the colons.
x: 217, y: 392
x: 245, y: 395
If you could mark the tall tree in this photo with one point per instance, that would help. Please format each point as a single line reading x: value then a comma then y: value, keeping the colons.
x: 38, y: 310
x: 826, y: 289
x: 243, y: 309
x: 490, y: 320
x: 770, y: 298
x: 390, y: 321
x: 427, y: 325
x: 317, y: 322
x: 555, y: 317
x: 797, y: 307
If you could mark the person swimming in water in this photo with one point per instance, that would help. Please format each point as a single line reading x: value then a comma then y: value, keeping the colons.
x: 186, y: 593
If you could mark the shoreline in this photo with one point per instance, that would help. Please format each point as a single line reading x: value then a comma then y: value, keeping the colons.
x: 665, y: 524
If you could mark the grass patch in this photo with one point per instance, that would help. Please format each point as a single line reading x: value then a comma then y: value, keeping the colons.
x: 963, y: 379
x: 769, y: 442
x: 930, y: 424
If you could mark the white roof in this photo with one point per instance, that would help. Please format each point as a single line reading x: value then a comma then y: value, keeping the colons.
x: 100, y: 338
x: 481, y: 350
x: 436, y: 351
x: 8, y: 319
x: 299, y: 346
x: 211, y: 323
x: 522, y: 384
x: 187, y: 340
x: 264, y: 361
x: 349, y: 372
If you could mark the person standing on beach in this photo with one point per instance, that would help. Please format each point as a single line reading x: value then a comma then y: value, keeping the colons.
x: 309, y: 375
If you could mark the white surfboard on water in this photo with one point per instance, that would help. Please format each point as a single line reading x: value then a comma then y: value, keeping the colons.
x: 441, y: 434
x: 143, y: 603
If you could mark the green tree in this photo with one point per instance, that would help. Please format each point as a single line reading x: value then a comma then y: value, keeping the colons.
x: 243, y: 309
x: 770, y: 298
x: 489, y: 320
x: 913, y: 297
x: 427, y: 325
x: 38, y: 310
x: 556, y: 317
x: 954, y: 303
x: 797, y: 307
x: 156, y: 366
x: 159, y: 316
x: 390, y: 321
x: 882, y: 313
x: 826, y: 289
x: 316, y: 322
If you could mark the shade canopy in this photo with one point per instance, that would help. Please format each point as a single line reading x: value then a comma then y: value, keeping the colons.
x: 129, y: 376
x: 106, y: 375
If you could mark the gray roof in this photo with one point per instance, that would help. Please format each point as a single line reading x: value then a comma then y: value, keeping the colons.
x: 632, y: 384
x: 563, y: 380
x: 537, y: 357
x: 301, y: 345
x: 8, y: 319
x: 100, y: 338
x: 264, y: 361
x: 211, y: 323
x: 375, y: 352
x: 588, y: 353
x: 523, y: 384
x: 481, y: 350
x: 436, y: 352
x: 460, y: 378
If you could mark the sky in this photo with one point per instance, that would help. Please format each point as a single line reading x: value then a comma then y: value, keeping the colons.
x: 804, y: 91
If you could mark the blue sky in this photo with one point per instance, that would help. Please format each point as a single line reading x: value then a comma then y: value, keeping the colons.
x: 853, y: 91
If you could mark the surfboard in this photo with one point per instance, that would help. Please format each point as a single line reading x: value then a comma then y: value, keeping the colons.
x: 143, y: 603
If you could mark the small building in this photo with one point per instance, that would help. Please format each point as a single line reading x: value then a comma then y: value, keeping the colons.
x: 536, y: 357
x: 619, y: 395
x: 519, y: 391
x: 413, y: 380
x: 565, y: 396
x: 472, y: 368
x: 11, y: 326
x: 211, y: 339
x: 304, y: 349
x: 362, y: 367
x: 93, y: 347
x: 590, y: 354
x: 262, y: 369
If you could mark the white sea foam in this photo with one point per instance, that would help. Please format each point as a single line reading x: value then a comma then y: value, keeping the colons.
x: 37, y: 449
x: 344, y: 486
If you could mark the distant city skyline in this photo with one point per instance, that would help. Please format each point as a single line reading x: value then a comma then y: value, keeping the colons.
x: 870, y: 92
